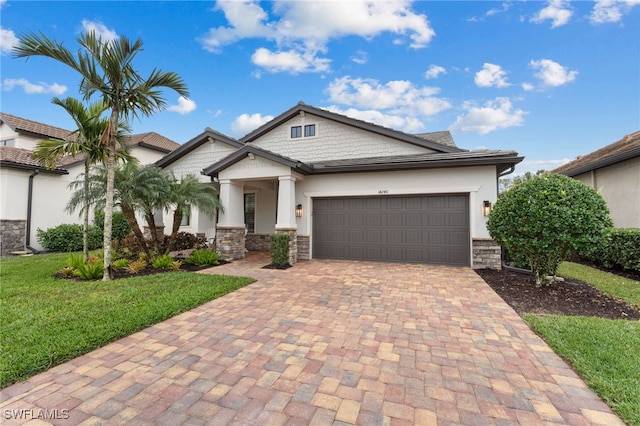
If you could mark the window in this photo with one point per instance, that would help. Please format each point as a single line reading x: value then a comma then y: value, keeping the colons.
x: 309, y: 130
x: 186, y: 218
x: 250, y: 212
x: 296, y: 132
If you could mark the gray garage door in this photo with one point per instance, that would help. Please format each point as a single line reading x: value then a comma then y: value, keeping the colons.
x: 417, y: 229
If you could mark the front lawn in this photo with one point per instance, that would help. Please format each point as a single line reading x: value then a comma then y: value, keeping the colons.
x: 46, y: 321
x: 605, y: 353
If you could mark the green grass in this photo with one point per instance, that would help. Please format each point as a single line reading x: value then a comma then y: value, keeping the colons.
x: 615, y: 285
x: 46, y: 321
x: 605, y: 353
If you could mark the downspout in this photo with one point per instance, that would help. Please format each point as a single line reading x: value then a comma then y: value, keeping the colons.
x: 29, y: 204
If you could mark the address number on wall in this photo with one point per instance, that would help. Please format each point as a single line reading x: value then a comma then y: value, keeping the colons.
x: 383, y: 191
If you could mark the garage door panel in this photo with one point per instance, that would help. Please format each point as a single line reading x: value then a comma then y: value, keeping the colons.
x: 420, y: 229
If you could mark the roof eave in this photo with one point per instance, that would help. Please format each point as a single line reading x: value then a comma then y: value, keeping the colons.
x: 194, y: 143
x: 21, y: 166
x: 240, y: 154
x: 598, y: 164
x: 501, y: 163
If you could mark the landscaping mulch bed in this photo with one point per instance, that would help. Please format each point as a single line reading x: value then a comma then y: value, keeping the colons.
x: 571, y: 297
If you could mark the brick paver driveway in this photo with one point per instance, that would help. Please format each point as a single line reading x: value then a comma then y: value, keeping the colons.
x: 325, y: 342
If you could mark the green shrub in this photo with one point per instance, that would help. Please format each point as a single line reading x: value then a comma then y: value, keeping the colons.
x: 202, y: 257
x: 548, y: 218
x: 121, y: 263
x: 175, y: 265
x: 67, y: 237
x: 162, y: 262
x: 620, y: 248
x: 74, y: 260
x: 92, y: 270
x: 279, y: 249
x: 119, y: 226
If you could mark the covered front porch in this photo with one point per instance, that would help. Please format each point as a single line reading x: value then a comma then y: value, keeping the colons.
x: 259, y: 199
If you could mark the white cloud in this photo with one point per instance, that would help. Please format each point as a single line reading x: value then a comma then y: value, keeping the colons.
x: 7, y: 40
x: 434, y: 71
x: 505, y: 6
x: 99, y: 29
x: 183, y: 107
x: 557, y: 11
x: 303, y: 28
x: 2, y: 3
x: 290, y: 61
x: 608, y: 11
x: 551, y: 73
x: 245, y: 123
x: 493, y: 115
x: 528, y: 87
x: 491, y: 75
x: 397, y: 96
x: 397, y: 122
x: 360, y: 57
x: 32, y: 89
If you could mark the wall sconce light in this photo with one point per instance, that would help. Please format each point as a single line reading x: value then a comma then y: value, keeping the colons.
x: 486, y: 207
x: 299, y: 210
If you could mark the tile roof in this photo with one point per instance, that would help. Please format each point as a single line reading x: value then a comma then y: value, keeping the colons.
x: 22, y: 158
x: 625, y: 148
x: 22, y: 125
x: 150, y: 140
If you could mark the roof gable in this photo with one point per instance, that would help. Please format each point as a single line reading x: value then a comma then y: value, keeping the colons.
x: 207, y: 136
x: 624, y: 149
x: 301, y: 108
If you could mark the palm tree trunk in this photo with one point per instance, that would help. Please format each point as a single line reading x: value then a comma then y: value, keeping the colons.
x: 85, y: 228
x: 177, y: 219
x: 130, y: 216
x: 153, y: 231
x: 108, y: 208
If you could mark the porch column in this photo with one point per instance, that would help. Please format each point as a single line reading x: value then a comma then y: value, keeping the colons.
x: 286, y: 223
x: 230, y: 231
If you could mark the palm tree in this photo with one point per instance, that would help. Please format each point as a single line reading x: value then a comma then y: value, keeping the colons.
x: 106, y: 69
x: 134, y: 185
x: 186, y: 193
x: 85, y: 142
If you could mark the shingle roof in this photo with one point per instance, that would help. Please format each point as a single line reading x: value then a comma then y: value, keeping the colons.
x: 443, y: 138
x: 22, y: 125
x: 624, y: 149
x: 21, y: 158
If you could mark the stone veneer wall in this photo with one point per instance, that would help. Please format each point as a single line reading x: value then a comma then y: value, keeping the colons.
x: 304, y: 249
x: 230, y: 242
x: 486, y: 254
x: 12, y: 236
x: 293, y: 244
x: 257, y: 242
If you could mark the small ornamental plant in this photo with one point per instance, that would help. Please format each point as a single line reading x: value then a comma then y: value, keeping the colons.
x: 547, y: 219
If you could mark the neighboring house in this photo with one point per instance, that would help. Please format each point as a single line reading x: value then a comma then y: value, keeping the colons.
x: 346, y: 189
x: 614, y: 171
x: 32, y: 196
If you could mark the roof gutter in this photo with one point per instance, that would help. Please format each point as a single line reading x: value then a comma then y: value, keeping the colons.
x: 29, y: 205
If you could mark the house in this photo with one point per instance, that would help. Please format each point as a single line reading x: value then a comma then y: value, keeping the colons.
x: 32, y: 196
x: 614, y: 171
x: 342, y: 188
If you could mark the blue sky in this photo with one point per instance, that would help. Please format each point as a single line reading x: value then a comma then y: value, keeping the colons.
x: 551, y: 80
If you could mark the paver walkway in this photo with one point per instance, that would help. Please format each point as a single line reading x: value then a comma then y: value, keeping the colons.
x: 325, y: 342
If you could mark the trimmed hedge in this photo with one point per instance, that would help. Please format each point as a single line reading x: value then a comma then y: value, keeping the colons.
x: 68, y: 237
x: 620, y: 248
x: 279, y: 249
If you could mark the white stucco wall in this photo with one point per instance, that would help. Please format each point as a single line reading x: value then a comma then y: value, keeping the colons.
x: 146, y: 156
x: 19, y: 141
x: 333, y: 141
x: 619, y: 185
